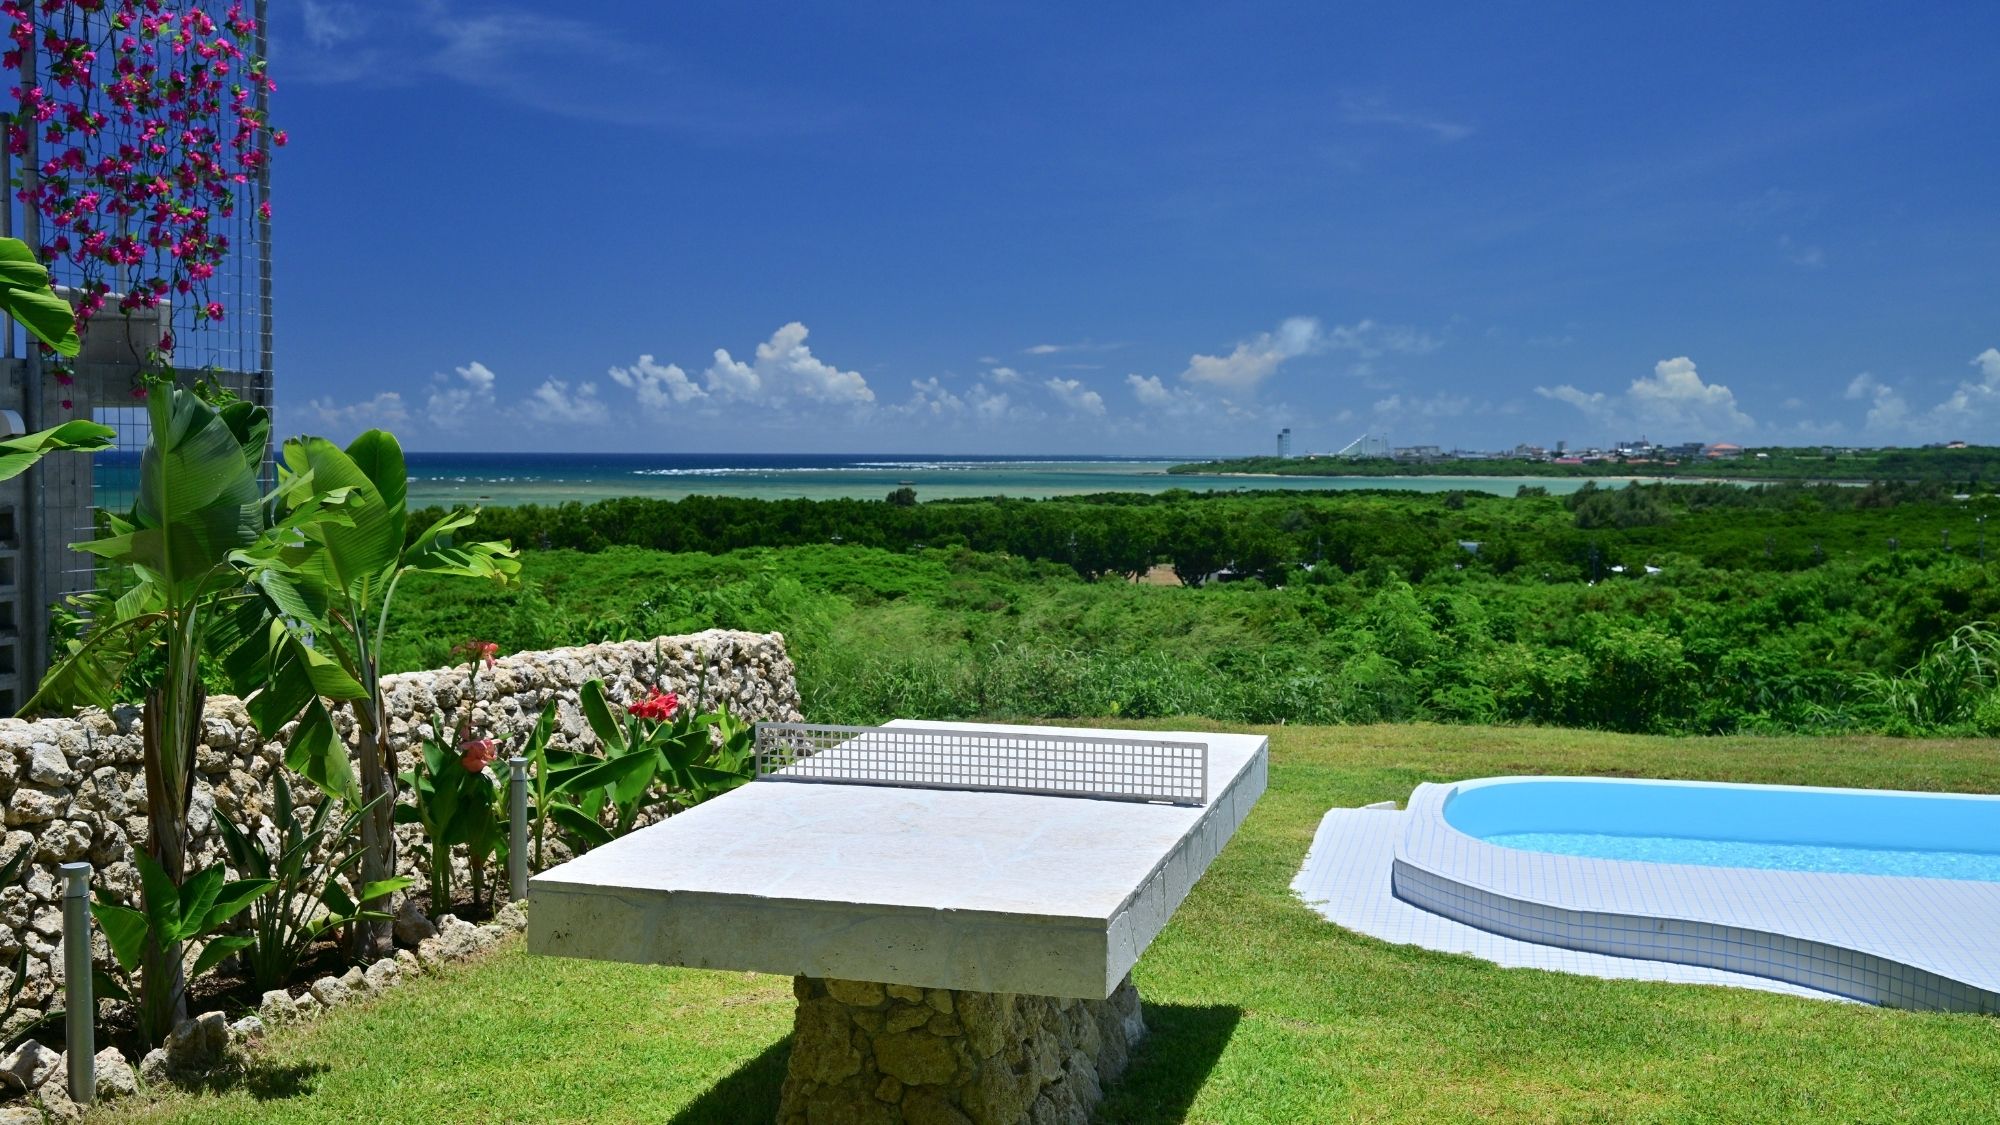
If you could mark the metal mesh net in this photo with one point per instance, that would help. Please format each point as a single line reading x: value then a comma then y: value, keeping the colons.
x: 997, y: 760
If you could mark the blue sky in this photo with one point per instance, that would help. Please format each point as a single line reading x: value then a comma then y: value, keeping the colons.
x: 1135, y: 229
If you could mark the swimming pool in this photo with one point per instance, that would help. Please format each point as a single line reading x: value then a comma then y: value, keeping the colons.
x: 1777, y: 827
x: 1880, y: 896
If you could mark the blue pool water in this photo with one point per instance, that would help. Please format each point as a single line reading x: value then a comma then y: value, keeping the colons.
x: 1922, y: 863
x: 1786, y: 828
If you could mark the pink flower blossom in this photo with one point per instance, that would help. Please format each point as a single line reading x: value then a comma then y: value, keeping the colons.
x: 476, y: 754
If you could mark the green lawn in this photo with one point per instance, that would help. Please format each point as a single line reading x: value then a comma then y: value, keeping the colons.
x: 1260, y: 1010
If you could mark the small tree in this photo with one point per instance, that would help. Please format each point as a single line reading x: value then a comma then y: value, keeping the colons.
x: 355, y: 565
x: 206, y: 578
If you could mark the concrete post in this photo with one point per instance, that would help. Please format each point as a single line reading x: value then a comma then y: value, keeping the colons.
x: 517, y: 828
x: 79, y: 1006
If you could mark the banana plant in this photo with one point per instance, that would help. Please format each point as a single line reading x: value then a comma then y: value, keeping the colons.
x: 355, y: 567
x: 205, y: 578
x: 194, y: 910
x: 307, y: 868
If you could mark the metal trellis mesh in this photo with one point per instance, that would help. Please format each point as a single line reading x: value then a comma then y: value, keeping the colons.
x: 234, y: 350
x: 997, y: 760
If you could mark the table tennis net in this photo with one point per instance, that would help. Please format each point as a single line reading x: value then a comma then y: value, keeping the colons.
x: 1101, y: 766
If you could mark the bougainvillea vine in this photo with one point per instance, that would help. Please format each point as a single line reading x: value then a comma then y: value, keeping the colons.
x: 146, y: 131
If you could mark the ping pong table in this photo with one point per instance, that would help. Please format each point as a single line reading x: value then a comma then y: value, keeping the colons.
x: 961, y: 904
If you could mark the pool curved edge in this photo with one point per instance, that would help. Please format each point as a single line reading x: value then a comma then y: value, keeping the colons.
x: 1929, y: 944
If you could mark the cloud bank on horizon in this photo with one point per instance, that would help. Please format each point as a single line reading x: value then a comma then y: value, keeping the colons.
x: 785, y: 385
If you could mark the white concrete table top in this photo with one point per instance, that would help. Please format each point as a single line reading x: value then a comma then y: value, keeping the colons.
x: 963, y: 889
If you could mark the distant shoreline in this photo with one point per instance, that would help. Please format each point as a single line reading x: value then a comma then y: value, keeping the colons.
x: 1529, y: 479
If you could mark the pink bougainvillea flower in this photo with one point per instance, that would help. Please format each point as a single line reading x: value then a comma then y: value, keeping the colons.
x: 477, y: 754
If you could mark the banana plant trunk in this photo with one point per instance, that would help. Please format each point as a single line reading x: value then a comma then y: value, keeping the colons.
x: 168, y: 742
x: 376, y: 938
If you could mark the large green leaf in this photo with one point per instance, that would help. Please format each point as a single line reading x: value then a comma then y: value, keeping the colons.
x: 124, y: 930
x: 573, y: 820
x: 380, y: 458
x: 163, y: 899
x: 230, y: 899
x: 90, y: 671
x: 607, y: 773
x: 198, y: 496
x: 78, y: 436
x: 215, y: 949
x: 358, y: 558
x: 25, y: 295
x: 598, y: 712
x: 197, y: 899
x: 317, y: 754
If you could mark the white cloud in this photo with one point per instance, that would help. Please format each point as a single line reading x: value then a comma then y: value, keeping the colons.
x: 1888, y: 412
x: 1672, y: 402
x: 1370, y: 340
x: 1256, y: 359
x: 554, y: 400
x: 1802, y: 254
x: 785, y: 370
x: 1079, y: 346
x: 930, y: 398
x: 1004, y: 375
x: 1423, y: 407
x: 659, y: 388
x: 988, y: 406
x: 1150, y: 391
x: 384, y: 411
x: 452, y: 402
x: 1970, y: 411
x: 1377, y: 111
x: 1972, y: 403
x: 328, y: 25
x: 1077, y: 397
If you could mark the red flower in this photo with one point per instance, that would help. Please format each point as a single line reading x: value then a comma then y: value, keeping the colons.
x: 477, y: 650
x: 659, y: 706
x: 477, y: 754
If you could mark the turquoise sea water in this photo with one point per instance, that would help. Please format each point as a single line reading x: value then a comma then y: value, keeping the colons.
x: 551, y: 478
x: 1982, y: 866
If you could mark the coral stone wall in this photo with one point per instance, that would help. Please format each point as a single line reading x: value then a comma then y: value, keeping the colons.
x: 73, y: 789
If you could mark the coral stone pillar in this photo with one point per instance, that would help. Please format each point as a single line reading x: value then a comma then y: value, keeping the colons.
x: 865, y: 1053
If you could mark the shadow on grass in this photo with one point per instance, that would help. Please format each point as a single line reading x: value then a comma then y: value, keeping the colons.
x: 1181, y: 1046
x: 748, y: 1093
x: 263, y: 1080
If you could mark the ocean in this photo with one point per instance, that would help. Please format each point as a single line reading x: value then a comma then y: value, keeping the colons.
x: 445, y: 479
x: 552, y: 478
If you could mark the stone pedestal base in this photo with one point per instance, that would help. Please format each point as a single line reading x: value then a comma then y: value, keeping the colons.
x: 866, y: 1053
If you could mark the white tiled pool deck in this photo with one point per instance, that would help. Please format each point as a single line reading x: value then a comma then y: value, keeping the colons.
x: 1345, y: 879
x: 1903, y: 942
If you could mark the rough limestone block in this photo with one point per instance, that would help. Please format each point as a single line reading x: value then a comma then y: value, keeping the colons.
x: 999, y: 1059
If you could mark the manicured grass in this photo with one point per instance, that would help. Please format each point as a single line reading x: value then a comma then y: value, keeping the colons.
x: 1260, y: 1010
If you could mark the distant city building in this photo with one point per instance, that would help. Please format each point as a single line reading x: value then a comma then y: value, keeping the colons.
x: 1285, y: 443
x: 1418, y: 453
x: 1365, y: 446
x: 1724, y: 449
